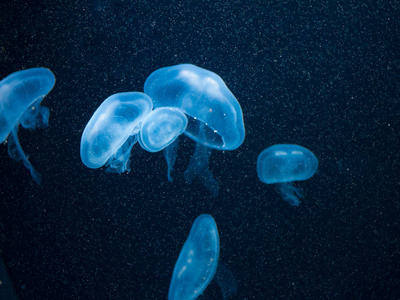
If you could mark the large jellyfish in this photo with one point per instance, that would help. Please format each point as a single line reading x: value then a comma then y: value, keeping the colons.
x: 197, y: 262
x: 283, y: 164
x: 112, y: 131
x: 215, y: 119
x: 20, y: 96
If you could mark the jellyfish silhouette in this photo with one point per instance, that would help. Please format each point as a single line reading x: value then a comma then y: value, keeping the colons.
x: 197, y: 262
x: 283, y: 164
x: 215, y: 118
x: 20, y: 96
x: 112, y: 131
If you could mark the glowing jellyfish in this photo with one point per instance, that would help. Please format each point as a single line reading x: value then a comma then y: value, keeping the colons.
x: 197, y: 262
x: 112, y: 131
x: 161, y: 127
x: 215, y: 119
x: 20, y: 96
x: 283, y: 164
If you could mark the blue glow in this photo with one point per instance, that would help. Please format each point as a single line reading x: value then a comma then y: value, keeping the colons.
x: 197, y: 262
x: 215, y: 118
x: 112, y: 131
x: 20, y: 96
x: 161, y: 127
x: 284, y: 163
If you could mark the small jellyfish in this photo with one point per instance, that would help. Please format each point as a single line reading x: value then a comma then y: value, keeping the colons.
x: 283, y: 164
x: 215, y: 118
x: 197, y: 262
x: 112, y: 131
x: 20, y: 96
x: 161, y: 127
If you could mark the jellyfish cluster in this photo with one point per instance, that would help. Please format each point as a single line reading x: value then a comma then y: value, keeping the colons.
x: 179, y: 99
x: 182, y: 99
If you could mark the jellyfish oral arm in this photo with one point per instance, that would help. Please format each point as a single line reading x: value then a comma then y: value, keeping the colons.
x: 290, y: 193
x: 170, y: 154
x: 120, y: 161
x: 198, y: 167
x: 15, y: 152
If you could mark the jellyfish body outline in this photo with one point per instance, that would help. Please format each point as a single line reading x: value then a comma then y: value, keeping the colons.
x: 113, y: 125
x: 284, y: 163
x: 197, y: 261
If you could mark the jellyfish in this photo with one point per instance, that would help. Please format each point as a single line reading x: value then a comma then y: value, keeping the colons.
x: 283, y: 164
x: 197, y: 262
x: 215, y: 118
x: 112, y: 131
x: 21, y: 94
x: 161, y: 127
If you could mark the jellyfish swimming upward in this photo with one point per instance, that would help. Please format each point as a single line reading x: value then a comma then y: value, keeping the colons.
x: 197, y: 262
x: 284, y: 163
x: 112, y: 131
x: 21, y: 94
x: 215, y: 118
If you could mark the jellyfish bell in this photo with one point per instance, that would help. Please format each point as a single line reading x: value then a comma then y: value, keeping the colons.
x: 161, y: 127
x: 112, y: 131
x: 21, y: 94
x: 197, y: 261
x: 283, y: 164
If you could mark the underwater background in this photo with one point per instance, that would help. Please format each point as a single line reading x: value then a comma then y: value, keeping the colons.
x: 321, y: 74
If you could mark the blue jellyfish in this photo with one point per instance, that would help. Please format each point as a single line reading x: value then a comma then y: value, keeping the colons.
x: 20, y: 96
x: 283, y: 164
x: 197, y: 262
x: 161, y: 127
x: 112, y: 131
x: 215, y: 118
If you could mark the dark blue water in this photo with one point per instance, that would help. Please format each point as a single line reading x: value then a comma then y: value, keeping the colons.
x: 321, y: 74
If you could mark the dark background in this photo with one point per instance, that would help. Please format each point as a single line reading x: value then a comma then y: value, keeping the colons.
x: 321, y: 74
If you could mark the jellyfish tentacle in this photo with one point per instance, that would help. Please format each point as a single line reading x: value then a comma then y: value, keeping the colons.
x: 15, y: 152
x: 290, y: 193
x: 36, y: 116
x: 170, y: 154
x: 198, y: 166
x: 120, y: 161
